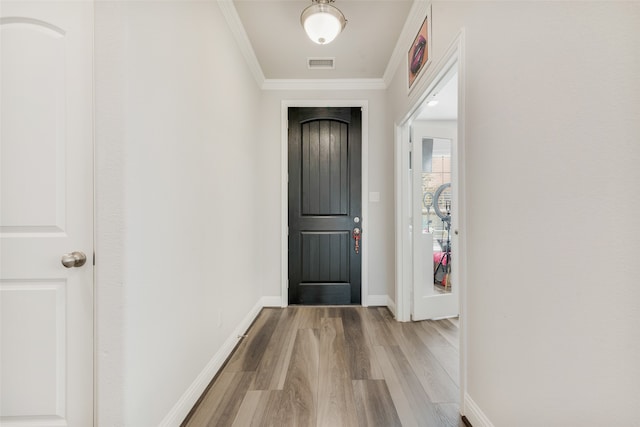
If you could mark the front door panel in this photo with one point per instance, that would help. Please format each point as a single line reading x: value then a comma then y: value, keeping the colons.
x: 324, y: 201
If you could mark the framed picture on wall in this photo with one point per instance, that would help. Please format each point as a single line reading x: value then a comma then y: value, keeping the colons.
x: 419, y: 55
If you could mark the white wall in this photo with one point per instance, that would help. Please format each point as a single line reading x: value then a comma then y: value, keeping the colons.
x: 177, y: 179
x: 381, y: 238
x: 109, y: 216
x: 552, y: 101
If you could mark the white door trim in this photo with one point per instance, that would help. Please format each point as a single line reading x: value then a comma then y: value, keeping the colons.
x: 404, y: 253
x: 284, y: 191
x: 455, y: 52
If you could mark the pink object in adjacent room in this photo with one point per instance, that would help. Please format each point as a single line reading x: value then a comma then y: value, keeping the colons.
x: 437, y: 256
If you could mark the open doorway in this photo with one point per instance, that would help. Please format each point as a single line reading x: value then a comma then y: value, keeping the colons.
x: 428, y: 211
x: 433, y: 209
x: 429, y: 244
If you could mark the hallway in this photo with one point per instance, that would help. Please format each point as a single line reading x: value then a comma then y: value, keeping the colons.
x: 337, y: 366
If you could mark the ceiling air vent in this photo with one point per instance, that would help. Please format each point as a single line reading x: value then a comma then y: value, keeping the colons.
x: 321, y: 63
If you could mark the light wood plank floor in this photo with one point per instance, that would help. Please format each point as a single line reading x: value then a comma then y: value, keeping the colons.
x: 336, y: 366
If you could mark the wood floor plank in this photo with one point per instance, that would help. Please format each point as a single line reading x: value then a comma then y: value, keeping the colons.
x: 270, y: 412
x: 447, y: 329
x: 397, y: 392
x: 374, y: 313
x: 264, y: 409
x: 422, y: 408
x: 369, y: 335
x: 374, y: 405
x: 358, y: 348
x: 435, y: 380
x: 310, y: 317
x: 455, y: 321
x: 446, y: 354
x: 449, y: 415
x: 336, y: 405
x: 380, y: 334
x: 288, y: 352
x: 248, y: 408
x: 385, y: 314
x: 297, y: 403
x: 271, y: 372
x: 210, y: 401
x: 434, y: 336
x: 226, y: 407
x: 333, y: 312
x: 250, y: 351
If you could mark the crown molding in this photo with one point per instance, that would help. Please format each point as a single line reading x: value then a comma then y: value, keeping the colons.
x: 324, y: 84
x: 237, y: 29
x: 418, y: 11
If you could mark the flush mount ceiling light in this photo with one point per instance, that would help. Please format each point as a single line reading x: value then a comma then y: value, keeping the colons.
x: 322, y: 22
x: 433, y: 101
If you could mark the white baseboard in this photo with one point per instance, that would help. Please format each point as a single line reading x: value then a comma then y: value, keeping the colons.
x: 271, y: 301
x: 377, y: 300
x: 392, y: 306
x: 474, y: 414
x: 382, y: 301
x: 182, y: 407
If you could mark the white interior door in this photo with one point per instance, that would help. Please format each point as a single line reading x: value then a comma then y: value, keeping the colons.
x: 435, y: 225
x: 46, y: 309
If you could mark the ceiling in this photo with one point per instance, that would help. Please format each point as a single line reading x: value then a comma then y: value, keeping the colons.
x: 362, y: 51
x: 446, y: 94
x: 376, y: 36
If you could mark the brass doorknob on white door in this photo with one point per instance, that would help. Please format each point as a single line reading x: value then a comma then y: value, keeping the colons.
x: 74, y: 259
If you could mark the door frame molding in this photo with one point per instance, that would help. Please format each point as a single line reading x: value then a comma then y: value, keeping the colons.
x: 284, y: 191
x: 454, y: 53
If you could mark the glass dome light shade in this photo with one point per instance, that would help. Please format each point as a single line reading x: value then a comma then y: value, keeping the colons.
x: 322, y: 22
